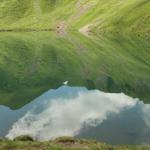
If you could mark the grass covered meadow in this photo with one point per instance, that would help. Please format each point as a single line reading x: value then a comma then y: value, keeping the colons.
x: 64, y: 143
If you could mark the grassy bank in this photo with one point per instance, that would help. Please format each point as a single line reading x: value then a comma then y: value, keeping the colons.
x: 65, y: 143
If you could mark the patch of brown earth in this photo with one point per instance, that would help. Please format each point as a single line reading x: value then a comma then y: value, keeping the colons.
x: 61, y: 29
x: 86, y: 30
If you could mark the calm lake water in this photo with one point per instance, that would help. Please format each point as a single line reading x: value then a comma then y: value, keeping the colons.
x: 76, y: 111
x: 32, y: 63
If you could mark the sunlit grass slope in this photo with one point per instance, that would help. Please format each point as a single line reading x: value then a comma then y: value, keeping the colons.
x: 110, y: 15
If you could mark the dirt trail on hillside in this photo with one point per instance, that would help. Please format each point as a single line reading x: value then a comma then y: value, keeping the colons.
x: 81, y: 9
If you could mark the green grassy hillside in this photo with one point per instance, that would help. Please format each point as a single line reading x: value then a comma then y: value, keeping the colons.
x: 107, y: 53
x: 113, y: 15
x: 65, y: 143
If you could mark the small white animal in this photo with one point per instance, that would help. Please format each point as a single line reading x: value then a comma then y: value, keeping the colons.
x: 65, y: 83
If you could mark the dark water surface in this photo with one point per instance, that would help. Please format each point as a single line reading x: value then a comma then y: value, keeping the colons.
x: 34, y: 62
x: 76, y: 111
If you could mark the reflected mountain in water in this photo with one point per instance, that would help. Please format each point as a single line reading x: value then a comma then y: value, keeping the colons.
x: 33, y: 62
